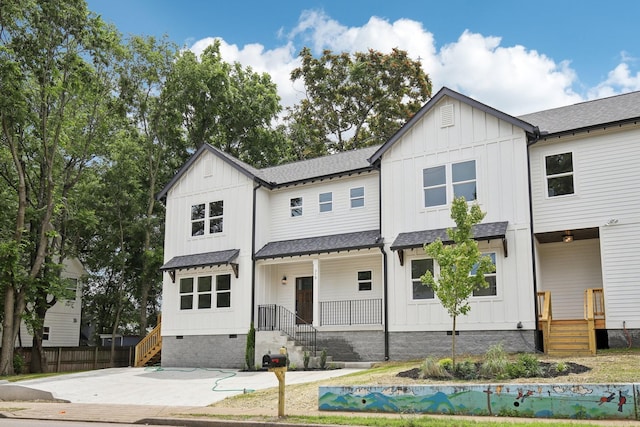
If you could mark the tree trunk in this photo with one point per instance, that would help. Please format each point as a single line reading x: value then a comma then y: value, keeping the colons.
x: 453, y: 343
x: 6, y: 358
x: 38, y: 362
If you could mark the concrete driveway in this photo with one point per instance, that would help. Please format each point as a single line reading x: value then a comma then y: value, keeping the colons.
x: 166, y: 386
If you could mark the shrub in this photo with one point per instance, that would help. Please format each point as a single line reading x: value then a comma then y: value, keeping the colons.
x: 432, y: 369
x: 495, y: 363
x: 323, y: 359
x: 527, y: 366
x: 466, y: 370
x: 561, y: 366
x: 18, y: 364
x: 305, y: 359
x: 250, y: 350
x: 446, y: 363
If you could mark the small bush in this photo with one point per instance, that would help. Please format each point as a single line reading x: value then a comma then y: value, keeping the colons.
x: 432, y: 369
x: 446, y: 364
x: 18, y: 364
x: 323, y: 359
x: 527, y: 366
x: 561, y: 367
x: 305, y: 359
x: 466, y: 370
x: 495, y: 363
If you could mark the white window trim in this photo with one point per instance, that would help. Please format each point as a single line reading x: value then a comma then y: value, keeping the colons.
x: 363, y: 197
x: 214, y: 283
x: 410, y: 280
x: 329, y: 202
x: 448, y: 184
x: 301, y: 207
x: 369, y: 281
x: 545, y: 177
x: 494, y: 274
x: 206, y: 220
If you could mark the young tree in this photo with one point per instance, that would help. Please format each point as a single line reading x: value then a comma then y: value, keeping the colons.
x: 354, y: 101
x: 462, y: 265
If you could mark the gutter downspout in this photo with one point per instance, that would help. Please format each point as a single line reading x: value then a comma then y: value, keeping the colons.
x: 253, y: 253
x: 530, y: 142
x: 385, y: 285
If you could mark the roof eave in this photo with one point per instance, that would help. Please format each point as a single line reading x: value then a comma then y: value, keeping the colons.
x: 322, y: 177
x: 603, y: 126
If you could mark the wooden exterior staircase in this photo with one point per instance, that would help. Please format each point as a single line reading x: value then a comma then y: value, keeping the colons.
x: 575, y: 337
x: 149, y: 349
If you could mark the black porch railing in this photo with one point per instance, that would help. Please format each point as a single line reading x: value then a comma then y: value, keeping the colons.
x: 355, y: 312
x: 277, y: 318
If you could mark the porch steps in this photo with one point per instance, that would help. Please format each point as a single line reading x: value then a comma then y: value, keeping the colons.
x: 569, y: 338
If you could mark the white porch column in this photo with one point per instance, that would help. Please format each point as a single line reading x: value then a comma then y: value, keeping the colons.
x: 316, y: 293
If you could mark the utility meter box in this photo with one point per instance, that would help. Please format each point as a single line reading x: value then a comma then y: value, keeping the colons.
x: 274, y: 360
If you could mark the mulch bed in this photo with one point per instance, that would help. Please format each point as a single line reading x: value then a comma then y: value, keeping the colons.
x: 548, y: 371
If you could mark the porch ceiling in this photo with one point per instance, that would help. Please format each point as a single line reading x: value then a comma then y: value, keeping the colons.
x: 321, y: 244
x: 556, y: 236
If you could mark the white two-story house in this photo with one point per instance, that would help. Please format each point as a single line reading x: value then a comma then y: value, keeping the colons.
x: 329, y: 251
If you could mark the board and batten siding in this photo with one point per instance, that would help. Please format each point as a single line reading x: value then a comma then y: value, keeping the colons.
x: 567, y: 270
x: 500, y: 152
x: 620, y: 245
x: 606, y: 177
x: 209, y: 179
x: 341, y: 219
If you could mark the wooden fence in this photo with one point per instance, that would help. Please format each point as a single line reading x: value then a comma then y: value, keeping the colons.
x: 73, y: 359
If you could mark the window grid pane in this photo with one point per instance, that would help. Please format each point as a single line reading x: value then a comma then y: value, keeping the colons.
x: 326, y: 202
x: 295, y: 205
x: 418, y: 268
x: 559, y: 170
x: 357, y: 197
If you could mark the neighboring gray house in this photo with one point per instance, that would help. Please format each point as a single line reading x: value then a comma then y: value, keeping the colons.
x: 329, y: 251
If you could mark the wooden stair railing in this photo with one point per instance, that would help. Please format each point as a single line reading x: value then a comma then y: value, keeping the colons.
x: 544, y: 317
x: 594, y: 314
x: 149, y: 346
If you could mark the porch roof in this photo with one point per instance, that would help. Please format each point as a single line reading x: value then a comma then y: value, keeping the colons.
x: 321, y: 244
x: 417, y: 239
x: 201, y: 260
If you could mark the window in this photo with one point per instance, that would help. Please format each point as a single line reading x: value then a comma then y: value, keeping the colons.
x: 186, y: 293
x: 492, y: 290
x: 463, y: 176
x: 296, y: 206
x: 559, y: 169
x: 204, y: 292
x: 45, y: 333
x: 326, y: 202
x: 72, y: 289
x: 435, y: 186
x: 463, y: 183
x: 223, y: 291
x: 418, y: 268
x: 357, y: 197
x: 211, y: 213
x: 364, y: 281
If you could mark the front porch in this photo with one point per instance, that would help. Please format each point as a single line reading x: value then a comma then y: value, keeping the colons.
x: 572, y: 337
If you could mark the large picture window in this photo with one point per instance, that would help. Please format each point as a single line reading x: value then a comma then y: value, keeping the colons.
x: 418, y: 268
x: 441, y: 183
x: 559, y: 170
x: 207, y: 218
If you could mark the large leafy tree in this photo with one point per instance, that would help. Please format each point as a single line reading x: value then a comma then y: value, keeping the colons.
x: 462, y: 265
x: 224, y: 104
x: 54, y: 98
x: 353, y: 101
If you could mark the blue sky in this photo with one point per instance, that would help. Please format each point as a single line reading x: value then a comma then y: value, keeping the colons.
x: 516, y: 55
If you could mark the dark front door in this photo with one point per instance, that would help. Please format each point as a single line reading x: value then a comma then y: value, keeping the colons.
x: 304, y: 299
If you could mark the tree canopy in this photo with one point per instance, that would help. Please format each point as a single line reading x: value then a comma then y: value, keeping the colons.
x: 354, y: 101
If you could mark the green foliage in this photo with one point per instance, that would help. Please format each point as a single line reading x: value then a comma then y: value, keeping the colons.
x: 457, y: 261
x: 433, y: 369
x: 353, y: 101
x: 526, y: 366
x: 306, y: 357
x: 323, y: 359
x: 446, y: 363
x: 495, y: 363
x: 561, y: 366
x: 250, y: 350
x: 466, y: 370
x: 18, y: 364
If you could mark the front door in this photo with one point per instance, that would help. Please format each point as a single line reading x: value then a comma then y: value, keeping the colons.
x: 304, y: 300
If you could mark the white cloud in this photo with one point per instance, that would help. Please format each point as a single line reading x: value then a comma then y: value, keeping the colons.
x: 510, y: 78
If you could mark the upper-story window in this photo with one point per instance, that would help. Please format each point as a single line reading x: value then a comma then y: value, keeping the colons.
x: 492, y: 290
x: 461, y: 178
x: 559, y: 171
x: 71, y: 288
x: 295, y: 204
x: 356, y: 196
x: 364, y: 281
x: 325, y: 201
x: 418, y: 268
x: 207, y: 218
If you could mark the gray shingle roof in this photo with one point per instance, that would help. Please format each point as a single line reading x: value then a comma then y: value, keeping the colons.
x: 588, y: 114
x: 321, y: 244
x: 201, y: 260
x: 417, y: 239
